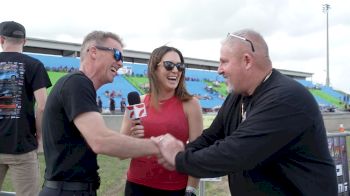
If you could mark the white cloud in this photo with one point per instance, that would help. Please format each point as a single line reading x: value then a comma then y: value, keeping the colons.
x: 294, y: 29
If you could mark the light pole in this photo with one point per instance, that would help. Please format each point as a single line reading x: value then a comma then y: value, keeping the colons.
x: 326, y: 7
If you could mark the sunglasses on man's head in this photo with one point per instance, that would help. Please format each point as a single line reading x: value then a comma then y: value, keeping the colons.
x: 117, y: 54
x: 242, y: 38
x: 168, y: 65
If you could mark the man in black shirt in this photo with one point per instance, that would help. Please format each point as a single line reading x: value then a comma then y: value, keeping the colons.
x: 112, y: 105
x: 23, y: 83
x: 268, y: 137
x: 74, y: 131
x: 99, y: 103
x: 122, y: 105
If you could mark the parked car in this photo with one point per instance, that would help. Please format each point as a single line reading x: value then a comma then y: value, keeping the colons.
x: 8, y: 75
x: 327, y: 108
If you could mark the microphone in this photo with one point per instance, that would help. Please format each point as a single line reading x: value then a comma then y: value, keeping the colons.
x: 135, y: 110
x: 134, y: 98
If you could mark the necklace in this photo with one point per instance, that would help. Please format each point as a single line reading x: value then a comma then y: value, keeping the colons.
x: 267, y: 76
x: 243, y: 109
x: 243, y: 112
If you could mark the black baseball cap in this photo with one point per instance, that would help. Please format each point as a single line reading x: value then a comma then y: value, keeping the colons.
x: 12, y: 29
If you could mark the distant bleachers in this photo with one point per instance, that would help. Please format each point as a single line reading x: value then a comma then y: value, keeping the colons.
x: 119, y: 85
x: 137, y: 68
x: 195, y: 81
x: 198, y: 88
x: 329, y: 91
x: 204, y: 75
x: 53, y: 61
x: 321, y: 101
x: 332, y: 92
x: 307, y: 84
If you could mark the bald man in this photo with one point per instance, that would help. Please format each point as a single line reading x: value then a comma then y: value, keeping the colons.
x: 268, y: 137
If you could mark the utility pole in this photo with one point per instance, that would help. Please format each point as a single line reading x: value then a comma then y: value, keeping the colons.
x: 326, y: 7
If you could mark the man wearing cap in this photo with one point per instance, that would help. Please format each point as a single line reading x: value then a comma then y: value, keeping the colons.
x: 23, y: 83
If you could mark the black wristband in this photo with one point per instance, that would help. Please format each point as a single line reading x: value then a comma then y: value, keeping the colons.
x: 189, y: 193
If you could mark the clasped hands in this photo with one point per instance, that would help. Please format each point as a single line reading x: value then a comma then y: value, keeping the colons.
x: 167, y: 144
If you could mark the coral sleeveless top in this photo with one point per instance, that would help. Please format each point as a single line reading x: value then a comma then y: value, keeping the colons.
x: 170, y: 118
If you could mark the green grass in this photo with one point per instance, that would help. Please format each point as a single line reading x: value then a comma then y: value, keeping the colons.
x: 137, y: 81
x: 54, y: 76
x: 221, y: 89
x: 327, y: 97
x: 113, y: 174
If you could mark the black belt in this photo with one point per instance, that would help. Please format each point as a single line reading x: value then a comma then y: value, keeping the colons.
x: 71, y: 186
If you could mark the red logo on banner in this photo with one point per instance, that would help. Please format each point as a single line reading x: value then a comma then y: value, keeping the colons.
x: 136, y: 111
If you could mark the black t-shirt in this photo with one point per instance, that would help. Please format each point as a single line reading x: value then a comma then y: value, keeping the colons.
x: 99, y: 103
x: 122, y: 104
x: 20, y: 76
x: 112, y: 104
x: 68, y: 157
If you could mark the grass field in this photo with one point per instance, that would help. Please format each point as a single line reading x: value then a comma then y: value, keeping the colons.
x: 54, y: 76
x: 113, y: 175
x: 137, y: 82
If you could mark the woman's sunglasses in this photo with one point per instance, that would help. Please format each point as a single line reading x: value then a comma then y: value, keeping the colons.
x: 168, y: 65
x: 117, y: 54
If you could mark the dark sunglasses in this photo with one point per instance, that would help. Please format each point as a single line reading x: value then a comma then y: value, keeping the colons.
x: 117, y: 54
x: 242, y: 38
x: 168, y: 65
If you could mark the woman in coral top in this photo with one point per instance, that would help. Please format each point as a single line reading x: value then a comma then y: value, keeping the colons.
x: 170, y: 109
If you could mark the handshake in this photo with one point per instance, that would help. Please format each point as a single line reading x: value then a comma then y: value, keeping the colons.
x: 168, y: 146
x: 165, y: 148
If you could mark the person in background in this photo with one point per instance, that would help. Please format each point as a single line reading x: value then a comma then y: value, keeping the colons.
x: 23, y: 84
x: 122, y: 105
x: 99, y: 103
x: 112, y: 105
x: 269, y: 135
x: 74, y: 131
x: 170, y: 109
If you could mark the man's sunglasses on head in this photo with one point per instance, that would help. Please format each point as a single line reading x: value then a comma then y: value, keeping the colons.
x: 242, y: 38
x: 117, y: 54
x: 168, y: 65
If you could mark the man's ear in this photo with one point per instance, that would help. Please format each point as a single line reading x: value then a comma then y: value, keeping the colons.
x: 92, y: 52
x: 248, y: 59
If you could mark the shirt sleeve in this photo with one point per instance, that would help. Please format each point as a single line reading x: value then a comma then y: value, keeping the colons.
x: 270, y: 127
x: 78, y: 96
x: 40, y: 78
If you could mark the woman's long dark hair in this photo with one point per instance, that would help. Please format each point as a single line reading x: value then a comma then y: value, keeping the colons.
x: 156, y: 57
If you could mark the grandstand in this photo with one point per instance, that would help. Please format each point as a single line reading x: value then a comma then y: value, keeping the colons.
x: 204, y: 83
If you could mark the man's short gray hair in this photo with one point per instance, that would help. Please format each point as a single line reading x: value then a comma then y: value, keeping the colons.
x: 97, y: 38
